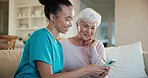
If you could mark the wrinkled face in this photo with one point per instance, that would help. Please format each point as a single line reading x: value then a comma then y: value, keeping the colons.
x: 86, y: 30
x: 64, y: 19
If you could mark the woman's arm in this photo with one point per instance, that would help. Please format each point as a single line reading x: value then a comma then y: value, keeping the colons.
x: 98, y: 55
x: 101, y: 52
x: 45, y: 71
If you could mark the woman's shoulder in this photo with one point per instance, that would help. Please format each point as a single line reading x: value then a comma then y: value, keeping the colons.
x: 98, y: 40
x: 41, y: 31
x: 41, y: 34
x: 63, y: 40
x: 100, y: 43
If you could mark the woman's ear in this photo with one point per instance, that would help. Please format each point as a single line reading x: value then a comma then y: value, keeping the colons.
x: 77, y: 24
x: 52, y: 18
x: 78, y: 27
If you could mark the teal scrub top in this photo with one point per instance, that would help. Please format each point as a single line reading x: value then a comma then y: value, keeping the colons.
x: 43, y: 47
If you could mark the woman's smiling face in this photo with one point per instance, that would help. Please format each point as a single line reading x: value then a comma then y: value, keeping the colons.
x: 86, y: 30
x: 64, y: 19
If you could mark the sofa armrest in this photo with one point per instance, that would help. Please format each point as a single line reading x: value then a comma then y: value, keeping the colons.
x: 145, y: 55
x: 9, y: 61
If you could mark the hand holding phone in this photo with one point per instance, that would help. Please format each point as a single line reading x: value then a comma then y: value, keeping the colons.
x: 110, y: 62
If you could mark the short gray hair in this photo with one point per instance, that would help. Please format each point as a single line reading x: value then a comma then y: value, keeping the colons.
x: 89, y: 15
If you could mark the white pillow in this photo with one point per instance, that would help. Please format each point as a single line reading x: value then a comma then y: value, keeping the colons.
x: 129, y: 63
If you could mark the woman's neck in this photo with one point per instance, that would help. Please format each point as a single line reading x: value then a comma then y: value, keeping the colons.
x: 76, y: 40
x: 52, y: 29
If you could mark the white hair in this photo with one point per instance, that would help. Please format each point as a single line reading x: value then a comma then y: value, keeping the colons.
x: 89, y: 15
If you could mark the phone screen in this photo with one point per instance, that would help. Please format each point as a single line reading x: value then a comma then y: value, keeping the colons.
x: 110, y: 62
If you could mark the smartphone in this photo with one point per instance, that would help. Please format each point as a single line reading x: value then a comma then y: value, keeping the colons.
x: 110, y: 62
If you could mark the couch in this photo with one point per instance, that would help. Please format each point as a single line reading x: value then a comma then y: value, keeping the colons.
x: 9, y: 60
x: 132, y: 61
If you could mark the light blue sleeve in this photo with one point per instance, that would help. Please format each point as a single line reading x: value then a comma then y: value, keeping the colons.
x: 40, y: 48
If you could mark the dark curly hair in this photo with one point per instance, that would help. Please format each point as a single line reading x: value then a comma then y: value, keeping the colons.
x: 53, y: 6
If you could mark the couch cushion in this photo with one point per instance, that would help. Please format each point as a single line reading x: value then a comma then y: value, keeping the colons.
x: 146, y: 61
x: 9, y: 60
x: 129, y: 63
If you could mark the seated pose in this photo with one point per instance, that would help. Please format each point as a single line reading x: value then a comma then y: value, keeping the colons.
x: 43, y: 54
x: 82, y: 50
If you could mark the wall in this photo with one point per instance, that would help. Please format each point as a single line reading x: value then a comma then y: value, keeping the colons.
x: 131, y: 22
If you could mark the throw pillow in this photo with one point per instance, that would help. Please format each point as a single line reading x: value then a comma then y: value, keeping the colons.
x: 129, y: 63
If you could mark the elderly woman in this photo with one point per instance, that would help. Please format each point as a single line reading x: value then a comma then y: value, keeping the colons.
x: 82, y: 49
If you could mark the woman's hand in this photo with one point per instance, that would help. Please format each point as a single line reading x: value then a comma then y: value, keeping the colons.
x: 93, y: 68
x: 104, y: 74
x: 89, y: 42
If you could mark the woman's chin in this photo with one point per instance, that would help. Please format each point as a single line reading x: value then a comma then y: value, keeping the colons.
x: 64, y: 32
x: 86, y: 39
